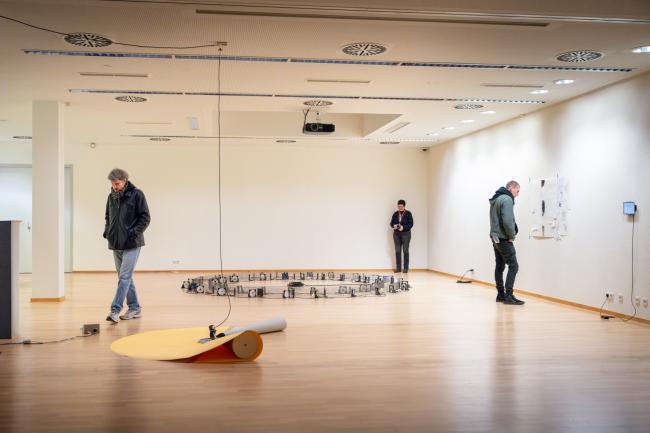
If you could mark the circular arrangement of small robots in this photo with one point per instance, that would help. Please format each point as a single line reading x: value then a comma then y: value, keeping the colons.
x: 306, y: 285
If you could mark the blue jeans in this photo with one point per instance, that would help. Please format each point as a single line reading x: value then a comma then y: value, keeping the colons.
x: 125, y: 261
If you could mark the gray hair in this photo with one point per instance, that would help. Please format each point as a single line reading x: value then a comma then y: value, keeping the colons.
x: 118, y: 174
x: 512, y: 184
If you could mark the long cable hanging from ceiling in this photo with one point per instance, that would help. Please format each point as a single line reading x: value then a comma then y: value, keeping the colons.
x: 219, y: 180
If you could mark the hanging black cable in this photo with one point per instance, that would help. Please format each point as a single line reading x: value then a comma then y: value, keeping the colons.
x: 219, y: 180
x: 162, y: 47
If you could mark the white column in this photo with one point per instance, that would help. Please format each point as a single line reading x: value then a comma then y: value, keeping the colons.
x: 47, y: 201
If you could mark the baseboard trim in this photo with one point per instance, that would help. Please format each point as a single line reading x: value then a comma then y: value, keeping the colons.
x: 61, y: 299
x: 549, y: 298
x: 212, y: 271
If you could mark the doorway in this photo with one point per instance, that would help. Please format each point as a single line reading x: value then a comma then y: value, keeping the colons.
x: 16, y: 204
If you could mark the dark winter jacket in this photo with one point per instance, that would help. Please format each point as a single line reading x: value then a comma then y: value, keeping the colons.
x: 407, y: 220
x: 127, y: 217
x: 502, y: 215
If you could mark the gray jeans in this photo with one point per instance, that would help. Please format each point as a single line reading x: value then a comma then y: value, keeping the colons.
x: 125, y: 261
x: 402, y: 241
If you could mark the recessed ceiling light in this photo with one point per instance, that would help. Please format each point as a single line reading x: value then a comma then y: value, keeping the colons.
x: 467, y: 121
x: 285, y: 141
x: 579, y: 56
x: 318, y: 103
x: 22, y: 137
x: 448, y: 128
x: 363, y: 49
x: 129, y: 98
x: 160, y: 139
x: 642, y: 50
x: 87, y: 40
x: 564, y: 81
x: 539, y: 92
x: 433, y: 134
x: 468, y: 106
x: 489, y: 112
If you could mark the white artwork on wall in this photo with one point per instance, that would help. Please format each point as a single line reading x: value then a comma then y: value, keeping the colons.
x: 549, y: 207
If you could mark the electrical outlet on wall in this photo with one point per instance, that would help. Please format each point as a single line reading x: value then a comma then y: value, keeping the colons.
x: 645, y: 302
x: 176, y: 262
x: 621, y: 298
x: 637, y: 301
x: 609, y: 296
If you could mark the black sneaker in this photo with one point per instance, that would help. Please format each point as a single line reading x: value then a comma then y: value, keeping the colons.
x: 511, y: 300
x: 501, y: 297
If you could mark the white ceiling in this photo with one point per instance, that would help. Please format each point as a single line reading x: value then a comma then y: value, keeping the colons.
x: 414, y: 33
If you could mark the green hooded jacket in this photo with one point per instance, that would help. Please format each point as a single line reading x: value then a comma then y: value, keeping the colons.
x: 502, y: 215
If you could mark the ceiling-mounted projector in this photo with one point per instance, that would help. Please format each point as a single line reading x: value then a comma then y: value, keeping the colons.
x: 318, y: 128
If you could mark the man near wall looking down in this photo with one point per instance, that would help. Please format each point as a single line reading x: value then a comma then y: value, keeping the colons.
x: 402, y: 223
x: 503, y: 230
x: 127, y: 217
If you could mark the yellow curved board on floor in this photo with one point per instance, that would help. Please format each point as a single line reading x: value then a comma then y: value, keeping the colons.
x: 182, y: 345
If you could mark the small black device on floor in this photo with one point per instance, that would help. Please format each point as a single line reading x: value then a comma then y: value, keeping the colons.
x: 90, y: 329
x: 461, y: 281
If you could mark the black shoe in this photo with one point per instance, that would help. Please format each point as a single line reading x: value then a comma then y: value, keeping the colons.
x: 511, y: 300
x: 397, y: 271
x: 501, y: 296
x: 406, y: 271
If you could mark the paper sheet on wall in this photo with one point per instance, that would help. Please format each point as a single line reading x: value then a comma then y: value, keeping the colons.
x: 549, y: 207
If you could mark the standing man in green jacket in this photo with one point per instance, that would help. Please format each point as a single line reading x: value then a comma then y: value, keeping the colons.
x: 503, y: 230
x: 127, y: 217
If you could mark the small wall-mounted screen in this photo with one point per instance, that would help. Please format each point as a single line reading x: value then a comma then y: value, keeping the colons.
x: 629, y: 208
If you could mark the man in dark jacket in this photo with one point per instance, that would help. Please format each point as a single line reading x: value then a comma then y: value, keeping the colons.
x: 503, y: 230
x: 127, y: 217
x: 402, y: 223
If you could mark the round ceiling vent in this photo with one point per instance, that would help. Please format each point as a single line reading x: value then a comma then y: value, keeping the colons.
x: 129, y: 98
x: 318, y: 103
x: 87, y: 40
x: 468, y: 106
x: 363, y: 49
x: 579, y: 56
x: 160, y: 139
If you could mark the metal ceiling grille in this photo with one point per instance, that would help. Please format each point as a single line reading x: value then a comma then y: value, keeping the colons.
x: 90, y: 40
x: 129, y: 98
x: 468, y: 106
x: 363, y: 49
x: 579, y: 56
x: 329, y: 61
x: 318, y: 103
x: 269, y: 95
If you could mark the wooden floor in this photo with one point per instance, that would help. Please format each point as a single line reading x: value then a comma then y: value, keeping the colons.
x: 442, y: 358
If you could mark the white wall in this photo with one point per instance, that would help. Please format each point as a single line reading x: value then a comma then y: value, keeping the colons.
x: 284, y: 206
x: 601, y: 143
